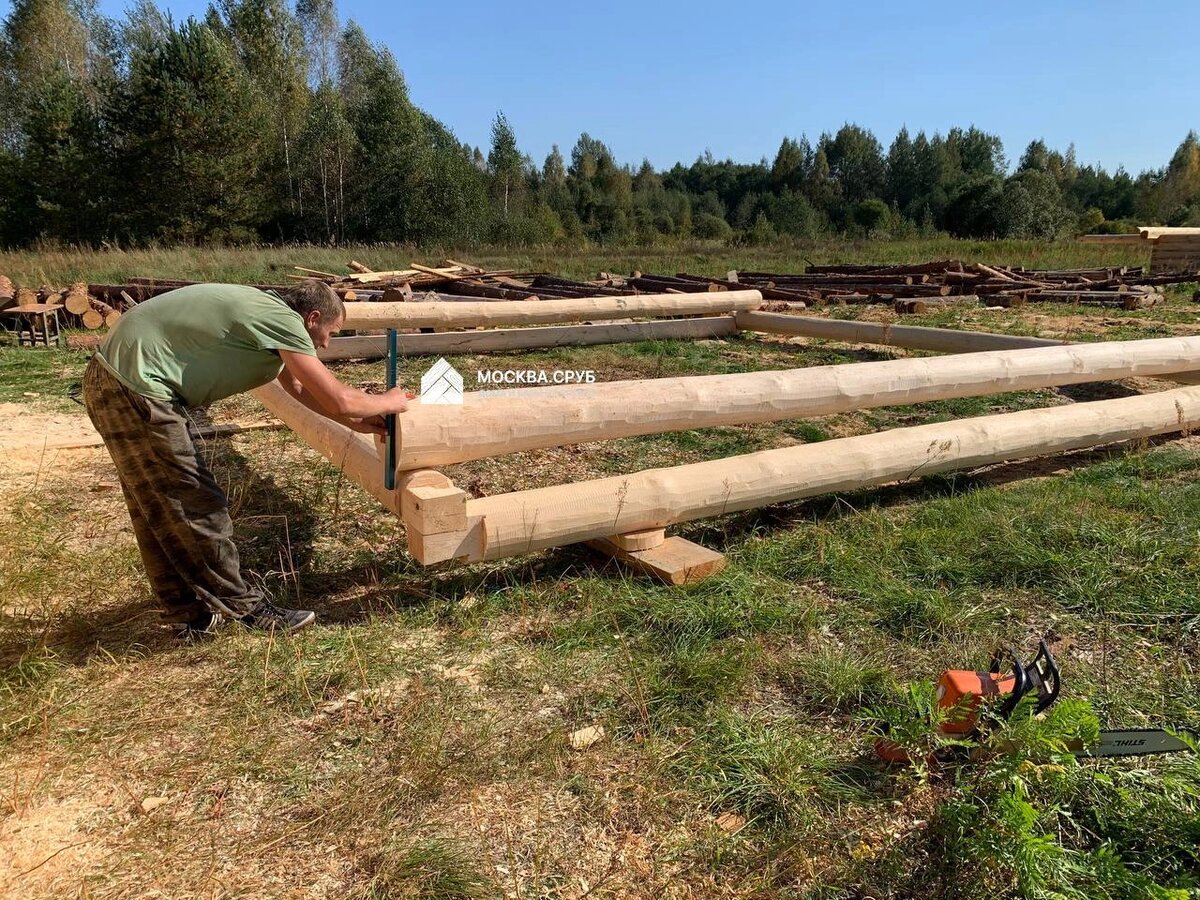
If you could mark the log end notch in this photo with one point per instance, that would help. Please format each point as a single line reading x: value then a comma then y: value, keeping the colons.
x: 435, y: 519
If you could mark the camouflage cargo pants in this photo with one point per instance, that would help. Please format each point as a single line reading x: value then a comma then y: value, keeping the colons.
x: 180, y: 515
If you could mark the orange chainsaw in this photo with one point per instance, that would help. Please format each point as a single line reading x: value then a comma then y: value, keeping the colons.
x: 964, y: 691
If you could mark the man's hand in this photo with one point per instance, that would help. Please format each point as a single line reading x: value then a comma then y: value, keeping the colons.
x: 306, y: 378
x: 398, y: 398
x: 369, y: 425
x: 378, y: 424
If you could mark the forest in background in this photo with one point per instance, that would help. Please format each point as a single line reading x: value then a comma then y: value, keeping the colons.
x: 267, y: 122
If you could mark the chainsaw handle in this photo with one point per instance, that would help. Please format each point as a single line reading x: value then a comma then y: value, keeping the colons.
x: 1041, y: 675
x: 1044, y: 671
x: 1020, y: 682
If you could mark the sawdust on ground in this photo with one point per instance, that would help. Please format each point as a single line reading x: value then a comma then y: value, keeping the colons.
x: 43, y: 846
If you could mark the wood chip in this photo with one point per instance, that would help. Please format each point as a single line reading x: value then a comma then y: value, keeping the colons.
x: 149, y: 804
x: 586, y: 737
x: 730, y: 822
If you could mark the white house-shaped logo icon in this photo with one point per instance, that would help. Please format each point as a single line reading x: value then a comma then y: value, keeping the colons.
x: 442, y: 384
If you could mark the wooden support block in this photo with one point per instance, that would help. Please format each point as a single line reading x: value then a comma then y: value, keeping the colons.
x: 639, y: 540
x: 434, y: 510
x: 469, y: 543
x: 676, y: 561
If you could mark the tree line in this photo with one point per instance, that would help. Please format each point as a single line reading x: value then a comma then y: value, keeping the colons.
x: 264, y: 121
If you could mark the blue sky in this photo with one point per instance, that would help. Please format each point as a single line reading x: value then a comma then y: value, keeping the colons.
x: 669, y: 80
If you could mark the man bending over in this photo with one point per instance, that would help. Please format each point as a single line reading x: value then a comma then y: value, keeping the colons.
x: 190, y: 347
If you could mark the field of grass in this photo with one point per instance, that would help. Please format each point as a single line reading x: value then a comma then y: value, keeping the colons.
x: 271, y: 264
x: 416, y: 742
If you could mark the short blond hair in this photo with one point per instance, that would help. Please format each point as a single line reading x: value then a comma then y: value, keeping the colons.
x: 310, y: 294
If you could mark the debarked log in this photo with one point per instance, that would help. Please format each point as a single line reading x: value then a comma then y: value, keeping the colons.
x: 366, y: 316
x: 511, y: 524
x: 375, y: 347
x: 495, y: 423
x: 913, y: 337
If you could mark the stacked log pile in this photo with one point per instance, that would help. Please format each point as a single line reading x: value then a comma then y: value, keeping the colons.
x: 910, y: 288
x: 81, y: 307
x: 924, y: 286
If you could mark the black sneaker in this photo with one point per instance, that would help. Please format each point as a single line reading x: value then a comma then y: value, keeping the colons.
x: 269, y: 617
x: 203, y: 626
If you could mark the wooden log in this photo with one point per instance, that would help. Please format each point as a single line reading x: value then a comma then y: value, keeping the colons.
x: 940, y: 340
x: 92, y: 319
x: 496, y: 423
x: 375, y: 347
x: 348, y: 450
x: 401, y: 293
x: 463, y: 315
x: 8, y: 290
x: 911, y: 337
x: 27, y: 297
x: 355, y: 266
x: 77, y: 304
x: 112, y: 318
x: 835, y: 280
x: 932, y: 304
x: 657, y: 284
x: 517, y: 523
x: 1078, y: 296
x: 479, y: 289
x: 76, y: 299
x: 930, y: 268
x: 585, y: 289
x: 638, y: 540
x: 101, y: 307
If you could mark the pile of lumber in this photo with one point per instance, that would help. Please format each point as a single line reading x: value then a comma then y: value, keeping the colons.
x: 448, y: 281
x: 1171, y: 249
x: 921, y: 287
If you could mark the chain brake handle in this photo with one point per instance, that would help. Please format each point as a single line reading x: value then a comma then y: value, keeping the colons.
x: 1041, y: 675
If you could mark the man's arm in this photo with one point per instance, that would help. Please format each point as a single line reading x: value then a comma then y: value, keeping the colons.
x: 306, y: 378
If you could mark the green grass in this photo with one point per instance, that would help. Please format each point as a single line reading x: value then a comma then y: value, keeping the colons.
x: 46, y: 376
x: 272, y: 264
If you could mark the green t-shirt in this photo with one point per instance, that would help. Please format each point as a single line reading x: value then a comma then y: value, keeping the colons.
x: 203, y: 342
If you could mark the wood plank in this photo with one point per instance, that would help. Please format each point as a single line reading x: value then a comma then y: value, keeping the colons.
x: 676, y: 561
